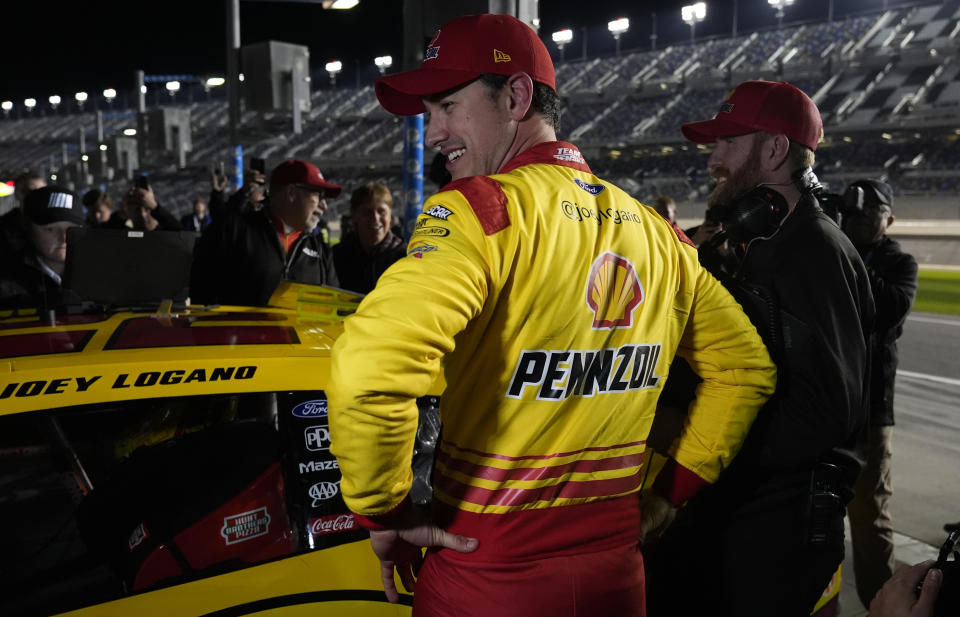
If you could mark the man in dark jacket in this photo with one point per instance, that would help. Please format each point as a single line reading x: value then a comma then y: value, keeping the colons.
x: 243, y: 256
x: 867, y: 213
x: 365, y: 253
x: 768, y: 536
x: 31, y: 278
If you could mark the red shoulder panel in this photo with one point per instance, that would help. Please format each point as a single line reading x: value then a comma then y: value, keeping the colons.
x: 487, y: 200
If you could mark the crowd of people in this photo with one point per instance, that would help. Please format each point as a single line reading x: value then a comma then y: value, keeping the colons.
x: 569, y: 321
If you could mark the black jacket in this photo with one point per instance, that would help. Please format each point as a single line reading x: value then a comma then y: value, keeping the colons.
x: 24, y: 284
x: 807, y: 291
x: 239, y: 259
x: 358, y: 270
x: 893, y: 278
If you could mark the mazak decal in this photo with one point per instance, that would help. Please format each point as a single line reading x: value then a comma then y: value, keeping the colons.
x: 312, y: 466
x: 578, y: 213
x: 419, y: 249
x: 558, y: 375
x: 138, y: 536
x: 333, y: 523
x: 316, y: 408
x: 317, y: 438
x: 322, y: 491
x: 593, y: 189
x: 613, y: 291
x: 439, y: 212
x: 245, y: 526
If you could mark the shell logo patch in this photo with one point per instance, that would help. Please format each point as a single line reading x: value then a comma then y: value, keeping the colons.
x: 499, y: 56
x: 613, y: 291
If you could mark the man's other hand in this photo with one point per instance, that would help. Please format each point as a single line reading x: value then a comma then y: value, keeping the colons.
x: 656, y: 514
x: 898, y: 596
x: 401, y: 550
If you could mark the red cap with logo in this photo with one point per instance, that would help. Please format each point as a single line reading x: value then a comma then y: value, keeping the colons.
x: 771, y: 106
x: 302, y: 174
x: 462, y: 50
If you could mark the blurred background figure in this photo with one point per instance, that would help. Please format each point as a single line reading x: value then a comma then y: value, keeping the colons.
x: 867, y: 214
x: 346, y: 225
x: 365, y: 253
x: 100, y: 210
x: 14, y: 224
x: 142, y: 212
x: 667, y: 208
x: 32, y: 277
x: 198, y: 220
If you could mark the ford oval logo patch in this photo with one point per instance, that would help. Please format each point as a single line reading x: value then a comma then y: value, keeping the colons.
x: 311, y: 409
x: 593, y: 189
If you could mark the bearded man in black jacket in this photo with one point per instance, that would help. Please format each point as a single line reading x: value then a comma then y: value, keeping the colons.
x: 243, y: 256
x: 867, y: 213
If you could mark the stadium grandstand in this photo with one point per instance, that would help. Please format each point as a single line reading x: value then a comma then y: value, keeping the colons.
x: 887, y: 83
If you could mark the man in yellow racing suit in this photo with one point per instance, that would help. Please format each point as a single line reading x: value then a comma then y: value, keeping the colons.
x: 552, y: 303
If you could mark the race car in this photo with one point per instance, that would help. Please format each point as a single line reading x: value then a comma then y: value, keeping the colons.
x: 176, y: 462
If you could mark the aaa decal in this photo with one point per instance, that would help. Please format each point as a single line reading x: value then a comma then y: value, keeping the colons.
x: 419, y: 249
x: 613, y: 291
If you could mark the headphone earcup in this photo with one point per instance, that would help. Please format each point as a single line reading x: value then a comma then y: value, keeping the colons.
x: 757, y: 213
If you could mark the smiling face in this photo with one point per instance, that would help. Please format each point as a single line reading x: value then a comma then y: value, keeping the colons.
x: 299, y: 207
x: 372, y: 222
x: 735, y: 165
x: 471, y: 129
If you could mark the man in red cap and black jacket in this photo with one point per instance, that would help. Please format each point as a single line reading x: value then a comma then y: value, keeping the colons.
x: 241, y: 258
x: 767, y: 537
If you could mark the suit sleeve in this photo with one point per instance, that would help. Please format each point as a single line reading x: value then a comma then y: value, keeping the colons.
x: 894, y: 289
x: 391, y: 352
x: 723, y: 348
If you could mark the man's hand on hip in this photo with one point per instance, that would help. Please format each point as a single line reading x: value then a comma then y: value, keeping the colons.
x: 401, y: 549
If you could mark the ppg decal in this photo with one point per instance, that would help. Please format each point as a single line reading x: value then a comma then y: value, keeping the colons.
x: 317, y: 438
x: 311, y: 409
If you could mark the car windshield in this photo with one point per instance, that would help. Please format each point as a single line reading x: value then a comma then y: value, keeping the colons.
x: 100, y: 501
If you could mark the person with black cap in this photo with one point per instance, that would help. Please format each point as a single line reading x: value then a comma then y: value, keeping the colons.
x: 32, y: 279
x: 551, y: 303
x: 766, y: 538
x: 867, y: 213
x: 243, y: 255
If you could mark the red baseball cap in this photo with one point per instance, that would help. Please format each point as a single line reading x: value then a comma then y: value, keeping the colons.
x: 771, y: 106
x: 462, y: 50
x: 303, y: 174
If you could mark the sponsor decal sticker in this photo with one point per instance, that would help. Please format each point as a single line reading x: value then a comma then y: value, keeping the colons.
x: 138, y: 536
x: 316, y: 408
x: 317, y: 438
x: 593, y: 189
x: 333, y: 523
x: 432, y: 53
x: 245, y: 526
x: 434, y: 232
x: 571, y: 155
x: 418, y: 249
x: 557, y: 375
x: 322, y: 491
x: 613, y: 291
x: 499, y: 56
x: 313, y: 466
x: 439, y: 212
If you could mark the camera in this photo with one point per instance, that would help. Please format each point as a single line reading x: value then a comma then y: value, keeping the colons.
x: 143, y: 181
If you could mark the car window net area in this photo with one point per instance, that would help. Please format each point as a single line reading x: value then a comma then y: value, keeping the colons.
x: 100, y: 501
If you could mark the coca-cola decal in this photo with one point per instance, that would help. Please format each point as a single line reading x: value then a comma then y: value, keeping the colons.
x: 316, y: 408
x: 322, y: 491
x: 138, y: 536
x: 333, y: 523
x: 245, y: 526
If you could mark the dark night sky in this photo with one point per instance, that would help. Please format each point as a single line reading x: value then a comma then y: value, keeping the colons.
x: 61, y: 47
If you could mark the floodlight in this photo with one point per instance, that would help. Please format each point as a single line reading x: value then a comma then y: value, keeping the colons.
x: 383, y: 61
x: 109, y: 94
x: 173, y: 86
x: 81, y: 97
x: 54, y: 99
x: 129, y: 132
x: 29, y: 103
x: 341, y: 4
x: 7, y: 105
x: 334, y: 67
x: 618, y: 26
x: 103, y: 147
x: 84, y: 158
x: 562, y: 37
x: 143, y: 89
x: 694, y: 12
x: 213, y: 82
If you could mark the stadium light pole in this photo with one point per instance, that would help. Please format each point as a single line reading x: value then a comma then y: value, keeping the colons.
x: 561, y: 38
x: 81, y: 98
x: 617, y: 27
x: 7, y: 106
x: 29, y: 104
x: 108, y: 95
x: 54, y: 100
x: 332, y: 69
x: 692, y: 15
x: 383, y: 63
x: 779, y: 5
x: 173, y: 87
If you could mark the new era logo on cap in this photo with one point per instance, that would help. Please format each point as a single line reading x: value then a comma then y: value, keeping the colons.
x: 499, y: 56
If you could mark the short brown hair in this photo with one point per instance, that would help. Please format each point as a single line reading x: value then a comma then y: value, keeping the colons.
x: 369, y: 192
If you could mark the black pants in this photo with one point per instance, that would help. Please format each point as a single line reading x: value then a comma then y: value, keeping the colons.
x: 740, y: 549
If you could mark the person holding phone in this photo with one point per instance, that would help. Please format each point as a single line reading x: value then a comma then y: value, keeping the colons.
x: 142, y: 212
